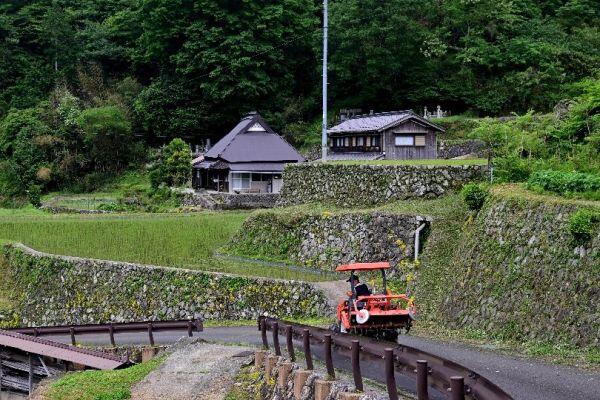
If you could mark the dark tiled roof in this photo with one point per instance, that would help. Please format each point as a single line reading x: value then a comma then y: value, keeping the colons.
x: 378, y: 122
x: 48, y: 348
x: 257, y: 166
x: 244, y: 145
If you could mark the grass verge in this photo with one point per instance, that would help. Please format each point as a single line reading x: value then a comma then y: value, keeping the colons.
x: 100, y: 385
x: 555, y: 353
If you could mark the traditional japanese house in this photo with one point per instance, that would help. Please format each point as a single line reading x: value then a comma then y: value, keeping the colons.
x: 395, y: 135
x: 249, y: 159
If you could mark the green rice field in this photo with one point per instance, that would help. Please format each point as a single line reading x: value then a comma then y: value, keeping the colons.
x: 174, y: 240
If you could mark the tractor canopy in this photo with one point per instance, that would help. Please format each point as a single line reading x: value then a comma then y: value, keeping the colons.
x: 363, y: 266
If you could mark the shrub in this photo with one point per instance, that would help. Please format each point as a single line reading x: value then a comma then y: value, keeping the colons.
x: 34, y: 195
x: 564, y: 182
x: 511, y: 169
x: 474, y: 195
x: 173, y: 167
x: 582, y: 225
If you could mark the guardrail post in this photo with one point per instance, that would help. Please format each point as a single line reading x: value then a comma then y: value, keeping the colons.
x: 307, y: 354
x: 390, y: 378
x: 276, y: 338
x: 422, y: 371
x: 358, y: 382
x: 72, y: 332
x: 457, y: 388
x: 190, y: 326
x: 290, y: 343
x: 263, y: 332
x: 111, y: 333
x: 328, y: 359
x: 150, y: 334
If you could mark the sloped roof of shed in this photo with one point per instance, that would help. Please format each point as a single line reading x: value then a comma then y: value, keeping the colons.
x: 379, y: 122
x: 243, y: 144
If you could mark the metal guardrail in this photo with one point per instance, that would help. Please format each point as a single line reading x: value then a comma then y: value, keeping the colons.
x: 190, y: 325
x: 428, y: 370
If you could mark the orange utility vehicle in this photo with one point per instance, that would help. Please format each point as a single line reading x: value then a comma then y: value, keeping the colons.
x: 381, y: 315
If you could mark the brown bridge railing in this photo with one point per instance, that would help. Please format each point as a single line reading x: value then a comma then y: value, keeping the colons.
x: 190, y: 325
x: 428, y: 370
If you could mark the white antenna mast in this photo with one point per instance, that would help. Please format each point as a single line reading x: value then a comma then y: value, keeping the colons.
x: 324, y: 126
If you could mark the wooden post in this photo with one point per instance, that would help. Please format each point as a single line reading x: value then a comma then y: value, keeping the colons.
x: 72, y: 331
x: 390, y: 378
x: 150, y: 334
x: 358, y: 382
x: 290, y: 343
x: 276, y: 338
x: 30, y: 373
x: 111, y: 333
x: 307, y: 353
x: 263, y: 332
x: 1, y: 371
x: 328, y: 359
x: 422, y: 371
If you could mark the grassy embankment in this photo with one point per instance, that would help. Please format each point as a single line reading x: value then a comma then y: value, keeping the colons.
x: 174, y: 240
x: 109, y: 193
x: 94, y: 385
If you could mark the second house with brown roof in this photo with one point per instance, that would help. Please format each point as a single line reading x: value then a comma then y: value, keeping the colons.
x: 396, y: 135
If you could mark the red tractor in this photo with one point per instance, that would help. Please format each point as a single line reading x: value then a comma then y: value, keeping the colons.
x: 377, y: 315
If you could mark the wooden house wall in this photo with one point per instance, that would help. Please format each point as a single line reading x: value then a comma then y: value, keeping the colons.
x: 393, y: 152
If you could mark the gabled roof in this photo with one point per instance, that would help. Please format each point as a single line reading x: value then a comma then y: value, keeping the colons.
x: 253, y: 140
x: 380, y: 122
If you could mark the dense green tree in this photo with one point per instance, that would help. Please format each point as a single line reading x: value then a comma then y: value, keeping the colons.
x: 172, y: 167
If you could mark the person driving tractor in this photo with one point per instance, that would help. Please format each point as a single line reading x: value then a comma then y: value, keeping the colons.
x: 361, y: 289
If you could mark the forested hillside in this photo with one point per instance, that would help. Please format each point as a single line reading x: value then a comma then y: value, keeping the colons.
x: 86, y: 84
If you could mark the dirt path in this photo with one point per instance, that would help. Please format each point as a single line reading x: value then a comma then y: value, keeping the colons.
x: 196, y: 371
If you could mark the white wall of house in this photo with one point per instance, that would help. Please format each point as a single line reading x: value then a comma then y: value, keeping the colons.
x: 255, y: 182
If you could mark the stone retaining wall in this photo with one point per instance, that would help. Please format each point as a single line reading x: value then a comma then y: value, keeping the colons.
x: 230, y: 201
x: 363, y: 184
x: 520, y: 275
x: 461, y: 147
x: 326, y: 240
x: 49, y: 290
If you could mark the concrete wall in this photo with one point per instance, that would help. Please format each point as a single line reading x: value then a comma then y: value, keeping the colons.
x: 364, y: 184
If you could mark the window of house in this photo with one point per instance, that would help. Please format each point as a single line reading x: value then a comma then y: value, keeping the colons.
x: 240, y: 181
x: 420, y: 140
x: 404, y: 140
x: 360, y: 141
x: 347, y: 142
x: 375, y: 141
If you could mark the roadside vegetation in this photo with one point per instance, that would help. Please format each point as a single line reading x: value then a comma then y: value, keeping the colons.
x: 100, y: 385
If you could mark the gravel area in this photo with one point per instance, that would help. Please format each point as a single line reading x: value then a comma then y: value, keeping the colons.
x: 195, y: 371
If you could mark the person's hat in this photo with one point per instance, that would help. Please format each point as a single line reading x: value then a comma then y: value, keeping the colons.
x: 355, y: 277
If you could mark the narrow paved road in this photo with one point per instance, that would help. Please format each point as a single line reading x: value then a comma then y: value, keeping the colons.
x: 523, y: 379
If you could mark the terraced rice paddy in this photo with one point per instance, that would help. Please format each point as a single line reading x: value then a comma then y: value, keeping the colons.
x: 175, y: 240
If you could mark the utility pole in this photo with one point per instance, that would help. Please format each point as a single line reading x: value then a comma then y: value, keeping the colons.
x: 324, y: 127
